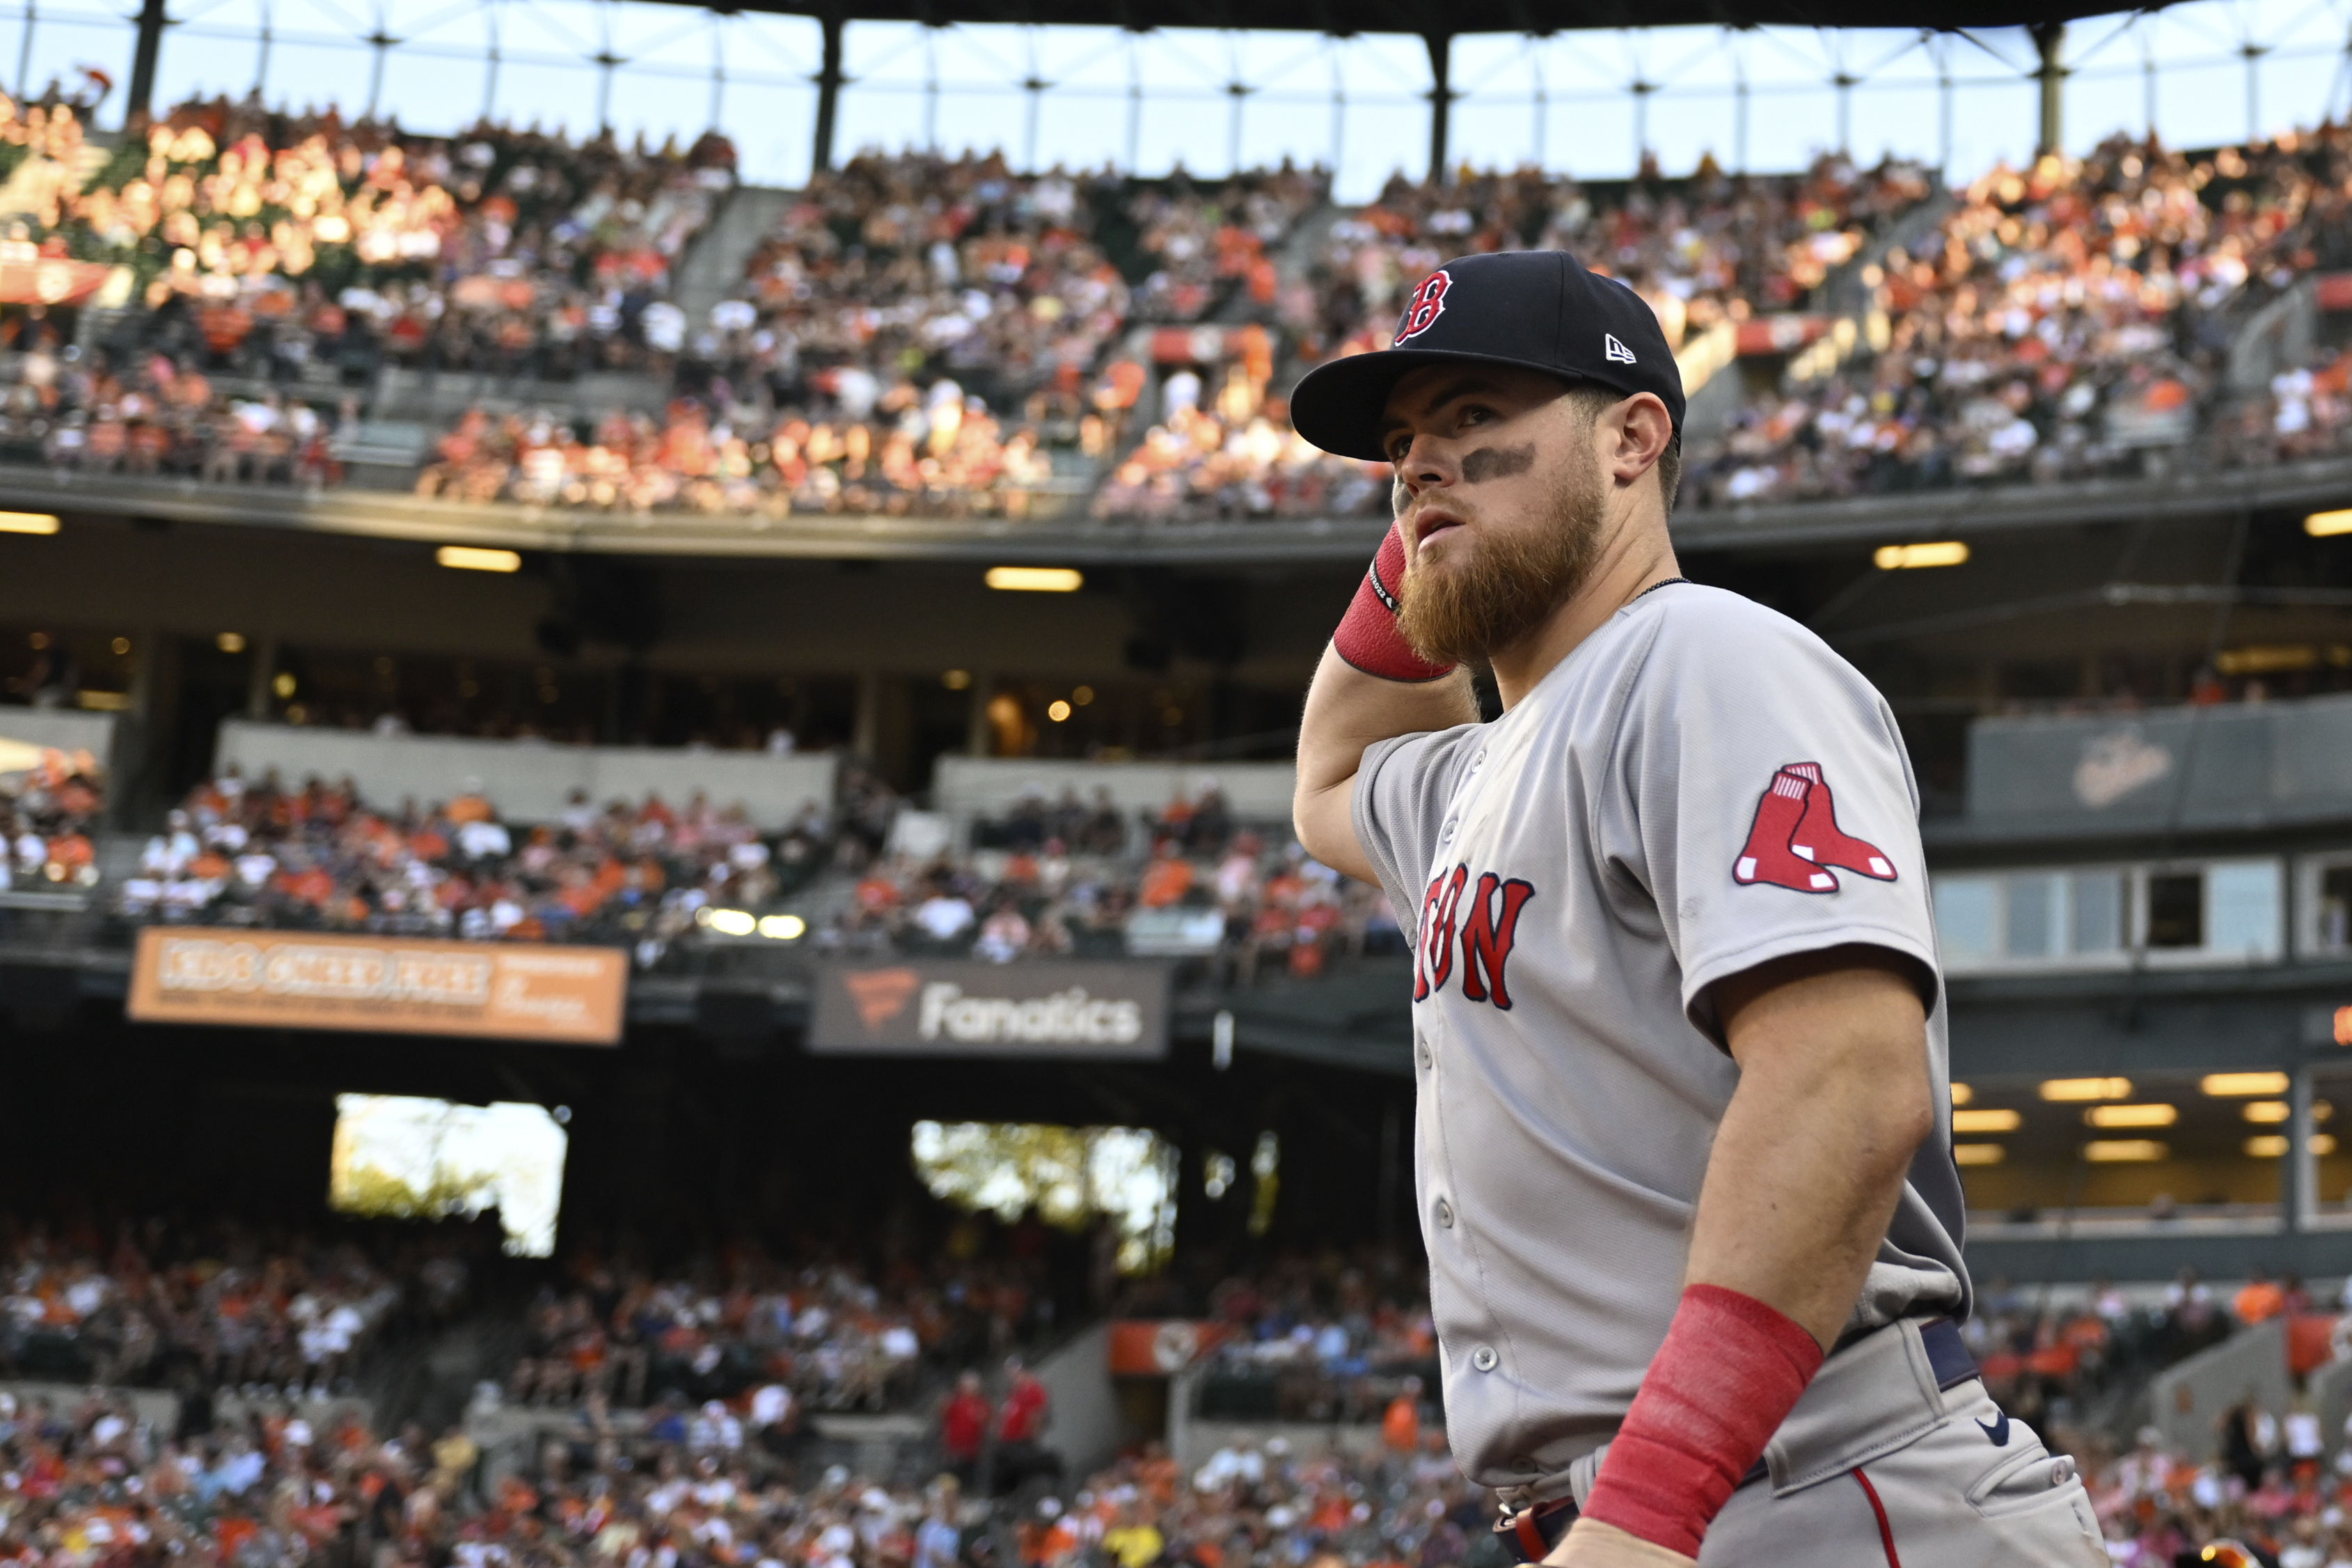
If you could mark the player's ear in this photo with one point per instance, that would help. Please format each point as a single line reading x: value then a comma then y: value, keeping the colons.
x: 1635, y: 434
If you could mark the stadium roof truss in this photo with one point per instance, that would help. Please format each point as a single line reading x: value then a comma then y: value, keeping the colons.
x: 1437, y: 23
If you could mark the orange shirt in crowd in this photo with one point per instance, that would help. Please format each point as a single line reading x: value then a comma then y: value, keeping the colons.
x: 1164, y: 882
x: 1400, y: 1427
x: 2258, y: 1301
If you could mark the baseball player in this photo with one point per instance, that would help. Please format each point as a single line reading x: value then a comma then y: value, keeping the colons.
x: 1683, y: 1159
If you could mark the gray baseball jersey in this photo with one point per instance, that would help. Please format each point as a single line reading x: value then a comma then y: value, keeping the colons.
x: 1700, y: 786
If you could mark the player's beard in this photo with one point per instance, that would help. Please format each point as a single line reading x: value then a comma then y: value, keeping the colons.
x: 1513, y: 580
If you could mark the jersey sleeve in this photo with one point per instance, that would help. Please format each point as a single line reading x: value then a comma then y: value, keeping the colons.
x: 1764, y: 800
x: 1402, y: 789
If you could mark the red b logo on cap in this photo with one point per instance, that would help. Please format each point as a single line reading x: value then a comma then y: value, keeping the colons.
x: 1428, y: 304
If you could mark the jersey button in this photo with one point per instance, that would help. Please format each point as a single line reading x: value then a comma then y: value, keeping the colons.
x: 1420, y: 1051
x: 1445, y: 1214
x: 1483, y: 1358
x: 1447, y: 836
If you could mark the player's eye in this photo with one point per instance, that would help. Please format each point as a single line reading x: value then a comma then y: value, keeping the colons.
x: 1399, y: 445
x: 1476, y: 413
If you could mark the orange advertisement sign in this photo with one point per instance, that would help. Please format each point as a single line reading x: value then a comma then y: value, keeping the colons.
x: 1148, y: 1347
x: 289, y: 979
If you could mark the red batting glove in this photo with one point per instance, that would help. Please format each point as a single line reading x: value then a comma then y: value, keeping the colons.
x: 1367, y: 637
x: 1729, y: 1374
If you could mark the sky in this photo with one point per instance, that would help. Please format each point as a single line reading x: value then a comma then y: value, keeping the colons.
x: 1208, y: 99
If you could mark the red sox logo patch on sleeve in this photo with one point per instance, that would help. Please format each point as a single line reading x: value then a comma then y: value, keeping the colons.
x: 1796, y: 837
x: 1428, y: 303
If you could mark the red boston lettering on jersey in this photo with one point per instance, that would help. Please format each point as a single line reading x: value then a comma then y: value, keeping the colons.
x: 1487, y: 933
x: 1489, y: 920
x: 1436, y: 955
x: 1795, y: 836
x: 1427, y: 305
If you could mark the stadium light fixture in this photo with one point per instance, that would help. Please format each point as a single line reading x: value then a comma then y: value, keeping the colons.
x: 1962, y: 1093
x: 1058, y: 710
x: 28, y: 523
x: 2272, y: 1146
x: 467, y: 557
x: 1904, y: 558
x: 1986, y: 1120
x: 1978, y: 1154
x: 1035, y: 579
x: 2326, y: 524
x: 2132, y: 1115
x: 2086, y: 1088
x: 782, y: 927
x: 2266, y: 1112
x: 733, y: 922
x: 230, y: 641
x: 2237, y: 1085
x: 2125, y: 1151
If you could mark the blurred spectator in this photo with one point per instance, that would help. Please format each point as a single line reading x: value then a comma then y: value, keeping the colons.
x: 49, y: 811
x: 320, y: 858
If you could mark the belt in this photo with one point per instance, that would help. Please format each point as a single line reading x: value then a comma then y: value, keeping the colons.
x: 1529, y: 1535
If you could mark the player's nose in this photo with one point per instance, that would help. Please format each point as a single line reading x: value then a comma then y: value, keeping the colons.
x: 1428, y: 461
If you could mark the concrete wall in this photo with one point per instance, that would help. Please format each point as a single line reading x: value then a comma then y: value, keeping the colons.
x: 527, y: 780
x: 158, y: 1408
x: 2187, y: 1400
x: 66, y: 729
x: 2230, y: 767
x: 966, y: 786
x: 1198, y: 1439
x: 2329, y: 1389
x: 1084, y: 1425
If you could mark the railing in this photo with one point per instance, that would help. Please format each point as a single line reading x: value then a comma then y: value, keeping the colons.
x: 1975, y: 510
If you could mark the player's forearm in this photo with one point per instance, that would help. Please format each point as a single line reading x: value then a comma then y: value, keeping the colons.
x: 1348, y: 710
x: 1833, y: 1101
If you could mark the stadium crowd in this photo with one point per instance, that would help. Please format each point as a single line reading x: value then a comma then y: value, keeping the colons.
x: 1063, y: 878
x: 2067, y: 319
x: 1050, y: 879
x: 214, y: 1306
x: 922, y: 335
x: 90, y: 1481
x: 816, y: 1336
x: 49, y: 807
x: 316, y: 857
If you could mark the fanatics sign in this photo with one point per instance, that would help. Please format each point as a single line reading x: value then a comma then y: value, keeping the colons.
x: 965, y: 1007
x: 570, y: 996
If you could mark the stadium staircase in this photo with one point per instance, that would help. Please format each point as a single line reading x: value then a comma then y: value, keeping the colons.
x: 714, y: 263
x: 430, y: 1379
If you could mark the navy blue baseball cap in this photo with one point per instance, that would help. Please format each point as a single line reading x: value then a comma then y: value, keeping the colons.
x: 1536, y: 309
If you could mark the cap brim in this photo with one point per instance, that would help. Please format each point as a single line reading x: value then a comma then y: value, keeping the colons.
x: 1337, y: 405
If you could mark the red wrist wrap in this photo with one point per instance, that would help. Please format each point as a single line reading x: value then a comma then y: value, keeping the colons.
x: 1367, y: 637
x: 1729, y: 1371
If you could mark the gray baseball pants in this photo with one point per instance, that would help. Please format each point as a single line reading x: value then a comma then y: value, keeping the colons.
x: 1877, y: 1467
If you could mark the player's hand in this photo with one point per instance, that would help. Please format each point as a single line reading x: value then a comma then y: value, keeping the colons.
x: 1589, y: 1543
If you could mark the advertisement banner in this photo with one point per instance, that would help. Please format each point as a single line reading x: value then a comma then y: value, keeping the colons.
x: 300, y: 979
x: 1158, y: 1347
x: 960, y: 1007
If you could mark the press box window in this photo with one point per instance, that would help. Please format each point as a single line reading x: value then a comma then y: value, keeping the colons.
x: 2176, y: 909
x: 2335, y: 932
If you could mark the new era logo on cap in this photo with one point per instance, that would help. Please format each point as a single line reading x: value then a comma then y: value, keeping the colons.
x: 1610, y: 348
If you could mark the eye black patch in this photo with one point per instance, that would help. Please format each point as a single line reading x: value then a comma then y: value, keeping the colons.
x: 1497, y: 463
